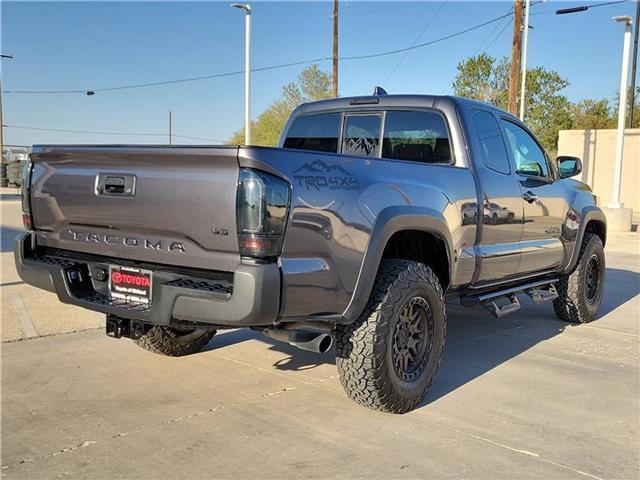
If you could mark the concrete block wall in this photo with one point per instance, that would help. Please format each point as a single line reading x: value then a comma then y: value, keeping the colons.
x: 597, y: 149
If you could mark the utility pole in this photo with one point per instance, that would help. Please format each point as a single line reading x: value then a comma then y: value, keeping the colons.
x: 1, y: 120
x: 516, y: 54
x: 634, y: 65
x: 525, y: 46
x: 335, y: 48
x: 169, y: 127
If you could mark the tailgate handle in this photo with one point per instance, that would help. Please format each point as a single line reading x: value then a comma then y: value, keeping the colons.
x: 114, y: 184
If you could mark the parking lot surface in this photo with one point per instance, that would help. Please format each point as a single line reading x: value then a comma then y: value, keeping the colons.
x: 526, y: 396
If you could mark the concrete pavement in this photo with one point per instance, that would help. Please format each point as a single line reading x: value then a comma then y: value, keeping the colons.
x: 26, y: 311
x: 526, y: 396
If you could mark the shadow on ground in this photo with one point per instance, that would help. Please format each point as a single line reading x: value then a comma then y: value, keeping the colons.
x: 476, y: 341
x: 8, y: 235
x: 10, y: 196
x: 620, y: 287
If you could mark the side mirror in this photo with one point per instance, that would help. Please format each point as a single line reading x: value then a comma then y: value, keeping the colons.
x: 569, y: 166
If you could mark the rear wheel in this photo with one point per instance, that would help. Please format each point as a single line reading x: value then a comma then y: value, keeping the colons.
x: 174, y: 342
x: 389, y: 357
x: 580, y: 292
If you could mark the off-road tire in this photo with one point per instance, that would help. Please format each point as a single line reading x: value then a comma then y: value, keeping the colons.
x: 173, y: 342
x: 365, y: 348
x: 573, y: 303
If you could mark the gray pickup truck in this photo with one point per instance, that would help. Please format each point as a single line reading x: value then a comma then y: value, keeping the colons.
x: 371, y: 214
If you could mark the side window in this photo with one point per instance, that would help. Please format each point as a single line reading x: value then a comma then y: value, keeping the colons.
x: 529, y: 158
x: 494, y: 152
x: 314, y: 132
x: 416, y: 136
x: 361, y: 135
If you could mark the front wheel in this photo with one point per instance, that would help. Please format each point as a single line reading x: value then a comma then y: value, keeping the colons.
x: 389, y: 357
x: 580, y: 292
x: 174, y: 342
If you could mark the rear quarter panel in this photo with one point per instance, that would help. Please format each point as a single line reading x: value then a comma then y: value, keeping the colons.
x: 336, y: 202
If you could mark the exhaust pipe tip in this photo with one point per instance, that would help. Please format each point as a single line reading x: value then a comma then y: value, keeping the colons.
x: 303, y: 339
x: 322, y: 343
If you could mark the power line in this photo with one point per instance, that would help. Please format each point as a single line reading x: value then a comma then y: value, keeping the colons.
x: 382, y: 10
x: 583, y: 7
x: 424, y: 29
x: 92, y: 132
x: 266, y: 68
x: 497, y: 36
x: 487, y: 41
x: 171, y: 82
x: 484, y: 48
x: 430, y: 42
x: 595, y: 5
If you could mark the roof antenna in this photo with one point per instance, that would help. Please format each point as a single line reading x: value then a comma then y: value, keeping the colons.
x: 379, y: 91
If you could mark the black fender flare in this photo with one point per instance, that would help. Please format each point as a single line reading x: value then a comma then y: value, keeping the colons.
x: 587, y: 214
x: 392, y: 220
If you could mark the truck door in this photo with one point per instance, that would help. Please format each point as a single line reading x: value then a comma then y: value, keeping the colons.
x: 500, y: 207
x: 544, y: 201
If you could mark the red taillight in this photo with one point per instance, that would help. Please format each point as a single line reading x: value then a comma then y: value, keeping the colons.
x: 27, y: 221
x: 259, y: 246
x: 262, y: 203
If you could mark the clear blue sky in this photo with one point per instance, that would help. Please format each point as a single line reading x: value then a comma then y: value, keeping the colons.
x: 87, y: 45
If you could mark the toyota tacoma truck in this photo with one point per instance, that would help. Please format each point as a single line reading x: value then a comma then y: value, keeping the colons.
x: 371, y: 214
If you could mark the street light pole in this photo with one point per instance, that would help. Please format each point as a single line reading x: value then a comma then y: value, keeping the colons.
x: 247, y: 71
x: 622, y: 107
x: 634, y: 62
x: 523, y: 75
x: 1, y: 120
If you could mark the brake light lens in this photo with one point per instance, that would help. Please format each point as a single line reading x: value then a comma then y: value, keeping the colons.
x: 27, y: 220
x: 262, y: 205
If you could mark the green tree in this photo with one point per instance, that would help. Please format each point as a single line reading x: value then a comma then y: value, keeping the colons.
x: 593, y: 114
x: 636, y: 109
x: 547, y: 111
x: 483, y: 78
x: 311, y: 84
x: 635, y: 121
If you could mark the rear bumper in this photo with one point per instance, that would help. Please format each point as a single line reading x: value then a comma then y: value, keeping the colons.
x: 252, y: 298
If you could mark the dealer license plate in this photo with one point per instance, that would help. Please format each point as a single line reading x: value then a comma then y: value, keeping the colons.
x: 131, y: 284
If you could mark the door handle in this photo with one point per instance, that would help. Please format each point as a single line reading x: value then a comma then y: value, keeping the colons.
x: 117, y: 185
x: 114, y: 185
x: 529, y: 196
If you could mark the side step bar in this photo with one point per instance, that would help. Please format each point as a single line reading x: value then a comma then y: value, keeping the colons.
x: 540, y: 292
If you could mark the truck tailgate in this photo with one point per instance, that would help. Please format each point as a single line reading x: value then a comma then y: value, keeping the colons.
x: 164, y: 205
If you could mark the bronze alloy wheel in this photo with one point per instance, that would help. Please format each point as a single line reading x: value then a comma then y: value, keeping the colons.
x: 412, y: 339
x: 593, y: 278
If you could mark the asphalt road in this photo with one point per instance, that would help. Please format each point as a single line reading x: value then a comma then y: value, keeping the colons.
x: 522, y: 397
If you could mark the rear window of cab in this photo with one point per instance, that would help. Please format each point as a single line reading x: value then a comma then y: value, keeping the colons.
x: 418, y: 136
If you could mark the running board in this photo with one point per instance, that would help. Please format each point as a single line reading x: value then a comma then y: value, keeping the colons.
x: 540, y: 292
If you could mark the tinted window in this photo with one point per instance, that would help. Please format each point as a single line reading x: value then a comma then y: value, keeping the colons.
x: 416, y: 136
x: 314, y: 132
x: 361, y: 135
x: 528, y: 156
x: 494, y: 153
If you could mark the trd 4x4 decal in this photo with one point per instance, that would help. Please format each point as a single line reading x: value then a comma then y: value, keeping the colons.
x: 323, y: 176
